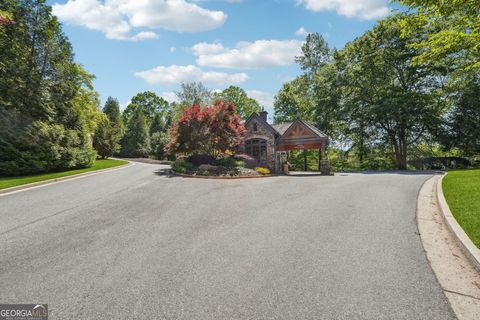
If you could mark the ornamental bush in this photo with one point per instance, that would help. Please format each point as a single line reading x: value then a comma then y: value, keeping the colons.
x: 212, y: 130
x: 180, y: 166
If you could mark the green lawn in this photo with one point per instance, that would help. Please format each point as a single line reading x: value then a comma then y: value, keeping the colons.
x: 462, y: 191
x: 8, y: 182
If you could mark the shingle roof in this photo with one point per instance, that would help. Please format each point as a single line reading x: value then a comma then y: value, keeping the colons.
x: 282, y: 127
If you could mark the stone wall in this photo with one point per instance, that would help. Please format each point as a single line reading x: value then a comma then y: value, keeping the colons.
x: 261, y: 133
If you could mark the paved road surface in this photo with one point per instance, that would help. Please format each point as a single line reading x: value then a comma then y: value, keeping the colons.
x: 136, y: 244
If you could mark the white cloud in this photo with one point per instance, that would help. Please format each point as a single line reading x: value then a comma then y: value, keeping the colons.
x: 264, y: 98
x: 144, y: 35
x: 301, y: 32
x: 258, y: 54
x: 173, y: 49
x: 117, y: 18
x: 174, y: 75
x: 363, y: 9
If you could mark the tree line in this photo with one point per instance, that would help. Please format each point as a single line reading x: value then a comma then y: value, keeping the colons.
x: 409, y: 84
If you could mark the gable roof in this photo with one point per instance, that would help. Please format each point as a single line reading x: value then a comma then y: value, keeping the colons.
x: 265, y: 123
x: 284, y: 126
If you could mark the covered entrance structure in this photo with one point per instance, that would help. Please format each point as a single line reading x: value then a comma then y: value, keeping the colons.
x: 299, y: 135
x: 270, y: 144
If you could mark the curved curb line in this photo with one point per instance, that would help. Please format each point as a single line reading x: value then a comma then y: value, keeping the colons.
x: 34, y: 185
x: 467, y: 246
x: 220, y: 178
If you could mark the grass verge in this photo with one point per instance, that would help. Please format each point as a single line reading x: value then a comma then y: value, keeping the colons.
x: 462, y: 191
x: 8, y: 182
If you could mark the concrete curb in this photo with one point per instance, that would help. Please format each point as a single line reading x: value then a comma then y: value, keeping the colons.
x: 25, y: 187
x: 221, y: 178
x: 467, y: 246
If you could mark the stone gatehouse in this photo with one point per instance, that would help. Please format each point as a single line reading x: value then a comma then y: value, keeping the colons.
x: 270, y: 143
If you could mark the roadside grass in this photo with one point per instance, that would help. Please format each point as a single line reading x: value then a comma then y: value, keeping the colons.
x: 8, y: 182
x: 462, y: 191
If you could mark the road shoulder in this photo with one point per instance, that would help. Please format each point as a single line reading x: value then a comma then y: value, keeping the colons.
x: 458, y: 278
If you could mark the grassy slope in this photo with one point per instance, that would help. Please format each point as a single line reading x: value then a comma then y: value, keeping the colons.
x: 462, y: 191
x: 8, y: 182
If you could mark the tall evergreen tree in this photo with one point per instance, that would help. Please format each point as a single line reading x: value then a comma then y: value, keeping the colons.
x: 47, y: 120
x: 136, y: 142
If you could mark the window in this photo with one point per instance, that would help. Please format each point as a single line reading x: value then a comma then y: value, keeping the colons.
x: 257, y: 148
x: 255, y: 127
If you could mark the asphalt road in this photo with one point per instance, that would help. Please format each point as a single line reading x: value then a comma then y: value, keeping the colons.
x: 136, y: 244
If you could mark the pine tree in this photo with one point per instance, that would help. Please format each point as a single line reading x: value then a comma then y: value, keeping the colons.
x: 135, y: 142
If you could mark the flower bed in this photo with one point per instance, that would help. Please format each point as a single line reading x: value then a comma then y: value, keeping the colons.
x: 185, y: 168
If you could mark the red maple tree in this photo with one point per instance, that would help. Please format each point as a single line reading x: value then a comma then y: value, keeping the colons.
x: 212, y: 130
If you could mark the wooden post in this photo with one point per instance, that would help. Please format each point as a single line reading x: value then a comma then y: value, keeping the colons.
x: 305, y: 160
x: 319, y: 159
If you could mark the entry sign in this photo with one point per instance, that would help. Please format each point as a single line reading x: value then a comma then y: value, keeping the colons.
x: 23, y: 312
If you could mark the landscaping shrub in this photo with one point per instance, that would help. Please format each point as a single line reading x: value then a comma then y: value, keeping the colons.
x: 230, y: 162
x: 199, y: 159
x: 262, y: 170
x: 181, y: 166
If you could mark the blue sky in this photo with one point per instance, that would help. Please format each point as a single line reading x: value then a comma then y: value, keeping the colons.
x: 137, y: 45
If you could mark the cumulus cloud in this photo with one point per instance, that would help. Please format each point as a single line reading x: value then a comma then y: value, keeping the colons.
x: 301, y: 32
x: 362, y: 9
x: 264, y: 98
x: 117, y: 18
x: 258, y: 54
x: 174, y: 75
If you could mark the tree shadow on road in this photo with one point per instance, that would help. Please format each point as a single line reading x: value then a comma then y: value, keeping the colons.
x: 166, y: 172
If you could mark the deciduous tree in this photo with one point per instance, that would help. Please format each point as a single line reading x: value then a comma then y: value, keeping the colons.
x: 245, y: 105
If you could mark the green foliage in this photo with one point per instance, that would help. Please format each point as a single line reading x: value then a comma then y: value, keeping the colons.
x: 46, y: 100
x: 244, y: 104
x: 136, y: 142
x: 158, y: 124
x: 180, y: 166
x: 453, y: 31
x: 463, y: 129
x: 193, y: 93
x: 106, y: 139
x: 230, y: 162
x: 462, y: 191
x: 158, y: 143
x: 148, y: 103
x: 112, y: 110
x: 315, y: 54
x: 294, y: 100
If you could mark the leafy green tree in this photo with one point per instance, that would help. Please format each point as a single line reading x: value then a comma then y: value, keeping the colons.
x: 106, y: 139
x: 453, y: 31
x: 149, y: 103
x: 159, y: 141
x: 315, y: 54
x: 194, y: 93
x: 386, y: 93
x: 294, y: 100
x: 112, y: 110
x: 136, y: 142
x: 244, y: 104
x: 158, y: 124
x: 47, y: 103
x: 463, y: 129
